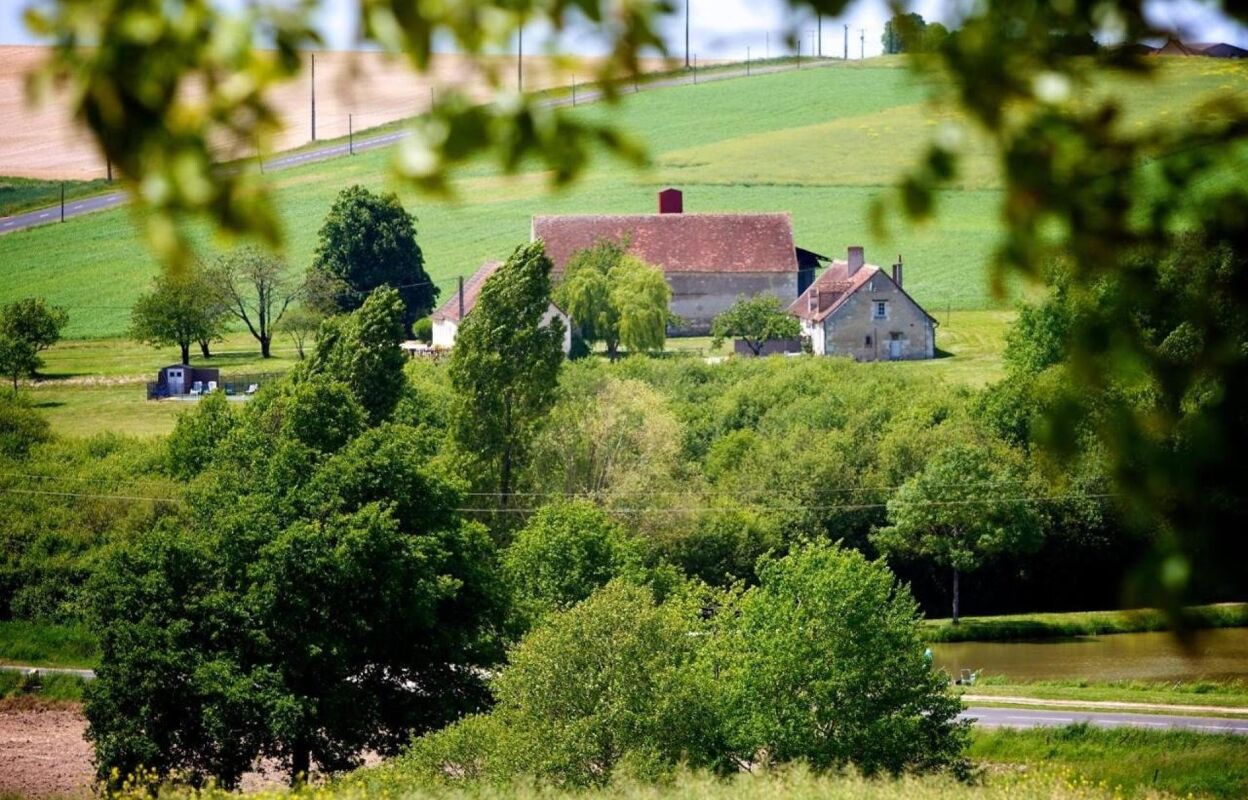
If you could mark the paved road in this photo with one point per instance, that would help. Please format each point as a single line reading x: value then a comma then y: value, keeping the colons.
x: 85, y: 674
x: 1029, y: 718
x: 103, y: 202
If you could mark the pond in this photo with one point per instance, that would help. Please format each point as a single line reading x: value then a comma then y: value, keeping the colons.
x: 1211, y: 655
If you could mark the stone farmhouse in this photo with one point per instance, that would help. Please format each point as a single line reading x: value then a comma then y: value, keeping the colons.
x: 448, y: 316
x: 710, y: 260
x: 856, y: 309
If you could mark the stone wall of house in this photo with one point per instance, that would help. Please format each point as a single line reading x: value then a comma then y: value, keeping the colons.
x: 855, y: 330
x: 697, y: 297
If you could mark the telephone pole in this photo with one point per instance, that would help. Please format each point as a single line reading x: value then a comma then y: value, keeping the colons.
x: 687, y: 33
x: 862, y: 43
x: 846, y: 43
x: 520, y: 58
x: 819, y: 28
x: 314, y: 97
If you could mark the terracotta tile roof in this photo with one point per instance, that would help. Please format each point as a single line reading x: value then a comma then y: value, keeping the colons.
x: 472, y: 290
x: 679, y: 242
x: 831, y: 289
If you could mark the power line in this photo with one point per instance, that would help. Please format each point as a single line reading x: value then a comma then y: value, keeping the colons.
x: 130, y: 498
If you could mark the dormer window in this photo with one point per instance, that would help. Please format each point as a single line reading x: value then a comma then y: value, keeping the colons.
x: 881, y: 309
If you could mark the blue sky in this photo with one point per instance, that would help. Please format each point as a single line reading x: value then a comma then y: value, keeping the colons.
x: 724, y: 28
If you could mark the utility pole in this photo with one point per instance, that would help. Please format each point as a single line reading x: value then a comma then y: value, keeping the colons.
x: 350, y: 135
x: 819, y: 28
x: 846, y: 56
x: 747, y: 62
x: 314, y: 97
x: 574, y: 91
x: 520, y: 58
x: 695, y: 72
x: 461, y: 299
x: 862, y: 43
x: 687, y: 33
x: 767, y: 51
x: 62, y: 201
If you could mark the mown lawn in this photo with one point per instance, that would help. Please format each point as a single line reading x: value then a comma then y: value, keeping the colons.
x: 822, y: 144
x: 1228, y: 694
x: 96, y: 385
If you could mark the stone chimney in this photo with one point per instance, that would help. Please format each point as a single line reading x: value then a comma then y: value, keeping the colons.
x: 671, y: 201
x: 897, y: 271
x: 856, y: 260
x: 812, y: 302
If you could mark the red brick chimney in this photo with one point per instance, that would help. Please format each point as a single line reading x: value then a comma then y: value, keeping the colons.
x: 857, y: 259
x: 671, y: 201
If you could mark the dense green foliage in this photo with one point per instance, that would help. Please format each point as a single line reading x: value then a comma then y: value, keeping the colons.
x: 369, y: 241
x: 562, y: 555
x: 966, y: 506
x: 615, y: 299
x: 318, y: 595
x: 620, y: 685
x: 823, y: 662
x: 21, y: 426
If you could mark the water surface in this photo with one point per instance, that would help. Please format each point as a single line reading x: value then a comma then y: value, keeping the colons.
x: 1211, y: 655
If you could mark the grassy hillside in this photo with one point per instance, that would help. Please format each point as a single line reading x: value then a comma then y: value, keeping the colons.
x: 821, y: 144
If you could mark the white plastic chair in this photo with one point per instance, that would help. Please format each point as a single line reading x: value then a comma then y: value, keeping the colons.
x: 197, y: 388
x: 212, y: 386
x: 252, y: 389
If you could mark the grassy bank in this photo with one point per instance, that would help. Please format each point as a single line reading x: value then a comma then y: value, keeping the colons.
x: 21, y: 691
x: 1126, y: 761
x: 1082, y: 623
x: 36, y: 644
x: 1229, y: 694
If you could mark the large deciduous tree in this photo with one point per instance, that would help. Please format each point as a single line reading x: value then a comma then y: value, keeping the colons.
x: 179, y: 310
x: 756, y: 321
x: 258, y: 291
x: 615, y: 298
x: 28, y: 327
x: 320, y: 597
x: 369, y: 241
x: 505, y: 366
x: 966, y: 506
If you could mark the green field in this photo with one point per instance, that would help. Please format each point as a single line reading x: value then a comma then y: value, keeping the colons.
x: 44, y: 644
x: 1217, y: 694
x: 821, y: 144
x: 1128, y: 762
x: 1082, y: 623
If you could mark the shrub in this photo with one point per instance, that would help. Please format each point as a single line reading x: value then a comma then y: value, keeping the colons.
x: 21, y: 426
x: 422, y: 330
x: 824, y: 662
x: 564, y: 553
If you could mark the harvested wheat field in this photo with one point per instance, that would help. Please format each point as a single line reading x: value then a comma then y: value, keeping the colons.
x: 44, y: 140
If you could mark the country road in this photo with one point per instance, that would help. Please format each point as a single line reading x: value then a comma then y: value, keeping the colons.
x: 298, y: 158
x: 1029, y: 718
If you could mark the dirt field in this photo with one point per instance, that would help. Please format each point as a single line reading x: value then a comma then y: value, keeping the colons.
x: 45, y: 141
x: 43, y: 754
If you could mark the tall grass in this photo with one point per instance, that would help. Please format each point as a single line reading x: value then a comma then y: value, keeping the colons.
x: 1083, y: 623
x: 1128, y: 760
x: 40, y: 644
x: 14, y: 686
